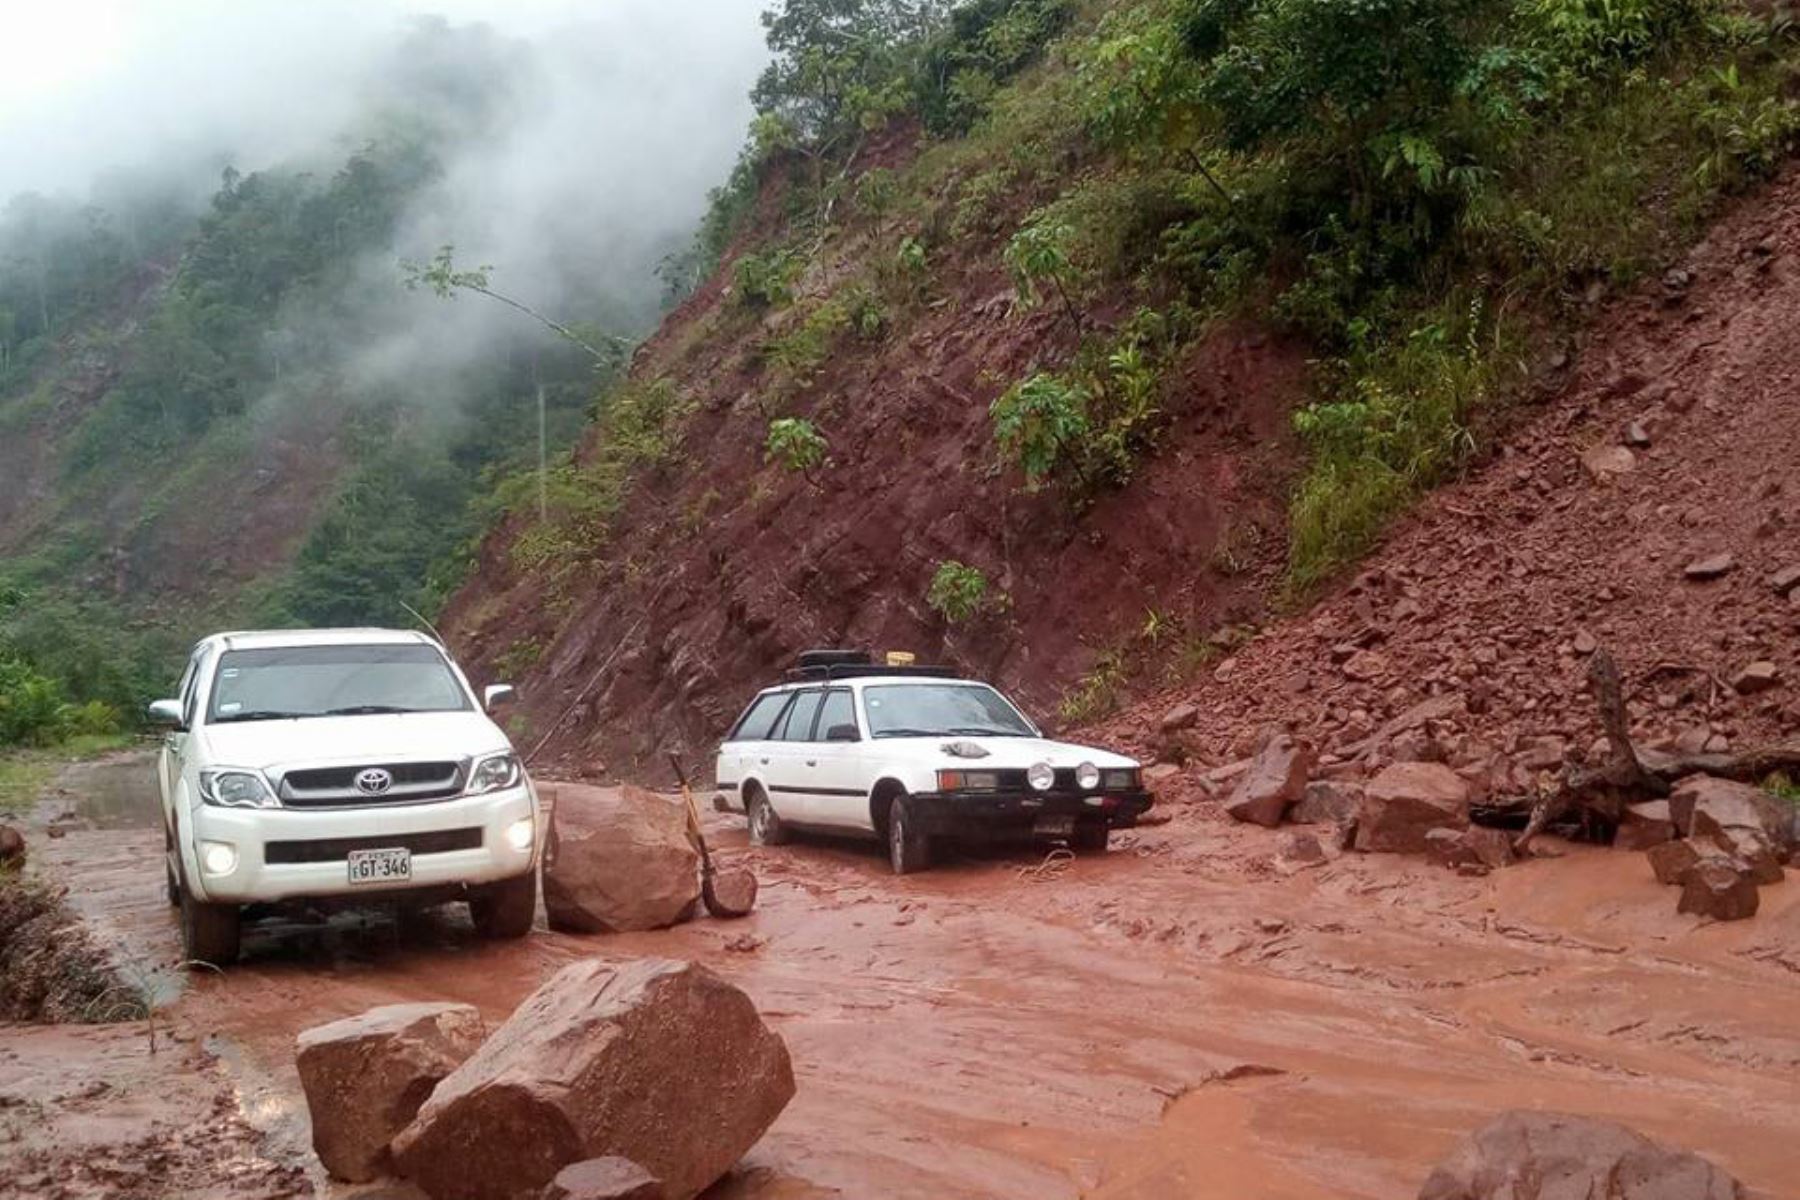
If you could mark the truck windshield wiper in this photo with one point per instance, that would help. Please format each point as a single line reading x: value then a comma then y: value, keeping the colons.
x: 364, y: 710
x: 258, y: 714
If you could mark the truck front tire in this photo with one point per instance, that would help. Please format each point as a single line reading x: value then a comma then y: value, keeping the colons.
x: 210, y: 933
x: 505, y: 910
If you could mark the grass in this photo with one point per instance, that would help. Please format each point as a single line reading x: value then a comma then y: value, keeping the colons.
x: 25, y: 773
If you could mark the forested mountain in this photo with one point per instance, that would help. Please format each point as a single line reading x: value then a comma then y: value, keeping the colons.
x: 1068, y: 339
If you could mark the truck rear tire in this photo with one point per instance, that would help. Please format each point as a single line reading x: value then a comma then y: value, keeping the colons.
x: 505, y: 910
x: 210, y: 933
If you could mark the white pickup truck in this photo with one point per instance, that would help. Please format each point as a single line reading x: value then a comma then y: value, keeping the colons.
x: 319, y: 765
x: 914, y: 756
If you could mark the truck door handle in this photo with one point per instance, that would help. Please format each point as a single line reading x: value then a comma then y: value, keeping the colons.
x: 812, y: 762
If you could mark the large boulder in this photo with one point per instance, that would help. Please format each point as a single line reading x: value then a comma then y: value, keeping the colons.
x: 618, y: 861
x: 1720, y: 888
x: 1702, y: 806
x: 1554, y: 1156
x: 1405, y: 802
x: 12, y: 847
x: 662, y: 1063
x: 366, y: 1076
x: 1275, y: 781
x: 603, y: 1179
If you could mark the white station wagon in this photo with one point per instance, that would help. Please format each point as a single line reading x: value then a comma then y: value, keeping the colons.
x: 319, y: 765
x: 913, y: 755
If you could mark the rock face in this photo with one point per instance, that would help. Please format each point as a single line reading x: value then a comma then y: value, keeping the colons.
x: 1718, y: 888
x: 1408, y: 800
x: 618, y: 861
x: 603, y: 1179
x: 659, y: 1062
x: 1275, y: 781
x: 1551, y: 1156
x: 366, y: 1076
x: 12, y: 846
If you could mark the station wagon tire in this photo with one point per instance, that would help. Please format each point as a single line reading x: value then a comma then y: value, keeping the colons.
x: 766, y: 828
x: 908, y: 849
x: 210, y: 933
x: 505, y: 910
x: 1090, y: 837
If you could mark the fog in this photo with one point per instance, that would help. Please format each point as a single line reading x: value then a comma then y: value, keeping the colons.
x: 616, y: 118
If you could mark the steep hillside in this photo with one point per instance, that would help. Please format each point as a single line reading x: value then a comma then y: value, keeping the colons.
x: 1078, y: 388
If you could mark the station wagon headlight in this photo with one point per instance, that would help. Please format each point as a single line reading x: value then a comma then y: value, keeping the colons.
x: 236, y: 789
x: 495, y: 772
x: 968, y: 781
x: 1041, y: 776
x: 1087, y: 777
x: 1120, y: 779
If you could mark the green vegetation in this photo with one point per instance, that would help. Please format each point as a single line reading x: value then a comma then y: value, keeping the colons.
x: 796, y: 445
x: 26, y: 772
x: 959, y: 593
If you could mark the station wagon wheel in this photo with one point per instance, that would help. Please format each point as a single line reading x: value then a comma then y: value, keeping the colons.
x: 908, y: 849
x: 766, y: 828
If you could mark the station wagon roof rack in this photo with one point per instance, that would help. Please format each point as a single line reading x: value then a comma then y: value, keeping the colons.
x: 856, y: 664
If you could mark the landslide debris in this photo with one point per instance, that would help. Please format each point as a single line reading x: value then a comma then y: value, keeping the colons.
x: 1526, y: 1155
x: 51, y: 968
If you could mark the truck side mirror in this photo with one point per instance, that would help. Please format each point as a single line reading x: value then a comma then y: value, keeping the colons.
x: 843, y: 733
x: 164, y: 712
x: 496, y: 694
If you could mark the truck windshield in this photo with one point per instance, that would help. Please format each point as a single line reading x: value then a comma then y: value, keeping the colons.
x: 332, y: 681
x: 941, y: 710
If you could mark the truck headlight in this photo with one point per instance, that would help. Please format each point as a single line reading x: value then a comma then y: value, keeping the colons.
x: 1087, y: 777
x: 227, y: 788
x: 495, y: 772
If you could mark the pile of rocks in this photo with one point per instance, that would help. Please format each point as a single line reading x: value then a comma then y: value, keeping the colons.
x: 1526, y: 1155
x: 1717, y: 840
x: 646, y: 1079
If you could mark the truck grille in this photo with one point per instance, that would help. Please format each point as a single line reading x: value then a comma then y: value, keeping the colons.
x: 335, y: 787
x: 318, y: 850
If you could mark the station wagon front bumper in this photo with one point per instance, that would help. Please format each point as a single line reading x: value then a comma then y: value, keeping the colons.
x: 952, y: 813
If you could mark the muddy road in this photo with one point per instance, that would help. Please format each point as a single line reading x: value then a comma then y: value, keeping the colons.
x: 1181, y: 1018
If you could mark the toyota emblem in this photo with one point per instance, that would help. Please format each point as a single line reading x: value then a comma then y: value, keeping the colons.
x: 374, y: 781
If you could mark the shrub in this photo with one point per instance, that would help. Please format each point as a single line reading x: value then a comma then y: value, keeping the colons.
x: 1038, y: 421
x: 959, y: 592
x: 796, y: 444
x: 766, y: 280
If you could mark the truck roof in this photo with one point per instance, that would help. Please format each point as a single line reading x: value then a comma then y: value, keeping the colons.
x: 277, y: 639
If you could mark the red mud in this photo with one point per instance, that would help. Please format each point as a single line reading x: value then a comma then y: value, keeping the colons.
x: 1178, y: 1019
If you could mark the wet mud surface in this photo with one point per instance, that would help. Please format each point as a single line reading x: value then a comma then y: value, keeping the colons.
x: 1178, y: 1018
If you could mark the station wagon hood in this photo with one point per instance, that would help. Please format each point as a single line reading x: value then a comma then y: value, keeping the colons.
x: 1019, y: 752
x: 372, y: 738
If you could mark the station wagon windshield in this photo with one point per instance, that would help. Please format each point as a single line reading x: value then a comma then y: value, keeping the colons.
x: 941, y: 710
x: 331, y: 681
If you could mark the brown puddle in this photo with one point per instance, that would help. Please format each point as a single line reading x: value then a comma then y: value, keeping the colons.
x: 1178, y: 1019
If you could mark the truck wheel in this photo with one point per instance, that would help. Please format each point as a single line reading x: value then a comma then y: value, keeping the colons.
x: 908, y: 849
x: 171, y: 887
x: 1090, y: 837
x: 210, y: 933
x: 505, y: 910
x: 766, y: 828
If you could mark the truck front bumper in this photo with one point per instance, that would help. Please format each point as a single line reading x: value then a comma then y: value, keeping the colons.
x: 289, y: 854
x: 941, y: 814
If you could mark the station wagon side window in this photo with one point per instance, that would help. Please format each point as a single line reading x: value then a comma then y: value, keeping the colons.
x: 758, y: 722
x: 800, y: 717
x: 839, y: 709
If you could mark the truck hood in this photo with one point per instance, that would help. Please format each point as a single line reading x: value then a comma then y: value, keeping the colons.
x: 1013, y: 752
x: 375, y: 738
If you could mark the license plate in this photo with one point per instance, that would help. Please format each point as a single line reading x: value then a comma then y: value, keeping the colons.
x: 380, y: 866
x: 1054, y: 826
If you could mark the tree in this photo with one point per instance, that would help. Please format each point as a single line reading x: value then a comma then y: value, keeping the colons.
x: 441, y: 276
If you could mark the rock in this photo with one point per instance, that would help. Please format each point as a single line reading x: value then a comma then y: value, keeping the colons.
x: 1543, y: 754
x: 1753, y: 851
x: 1405, y: 802
x: 1786, y: 580
x: 12, y: 847
x: 1702, y: 805
x: 1585, y: 643
x: 1161, y: 772
x: 1326, y: 802
x: 659, y: 1062
x: 1757, y: 677
x: 611, y: 1178
x: 1489, y: 849
x: 1644, y: 825
x: 1718, y: 888
x: 618, y: 861
x: 1637, y: 436
x: 1669, y: 861
x: 1365, y: 665
x: 1182, y: 716
x: 1605, y: 463
x: 1533, y: 1155
x: 366, y: 1076
x: 1692, y: 740
x: 1275, y: 781
x: 1300, y: 850
x: 1711, y: 567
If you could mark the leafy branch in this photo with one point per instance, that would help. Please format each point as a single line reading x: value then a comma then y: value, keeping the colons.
x: 441, y: 277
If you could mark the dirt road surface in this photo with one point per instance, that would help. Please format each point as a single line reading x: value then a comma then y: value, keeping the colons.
x: 1181, y: 1018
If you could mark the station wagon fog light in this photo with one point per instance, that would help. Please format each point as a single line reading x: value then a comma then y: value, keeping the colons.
x: 1087, y: 777
x: 218, y: 858
x: 520, y: 833
x: 1041, y: 776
